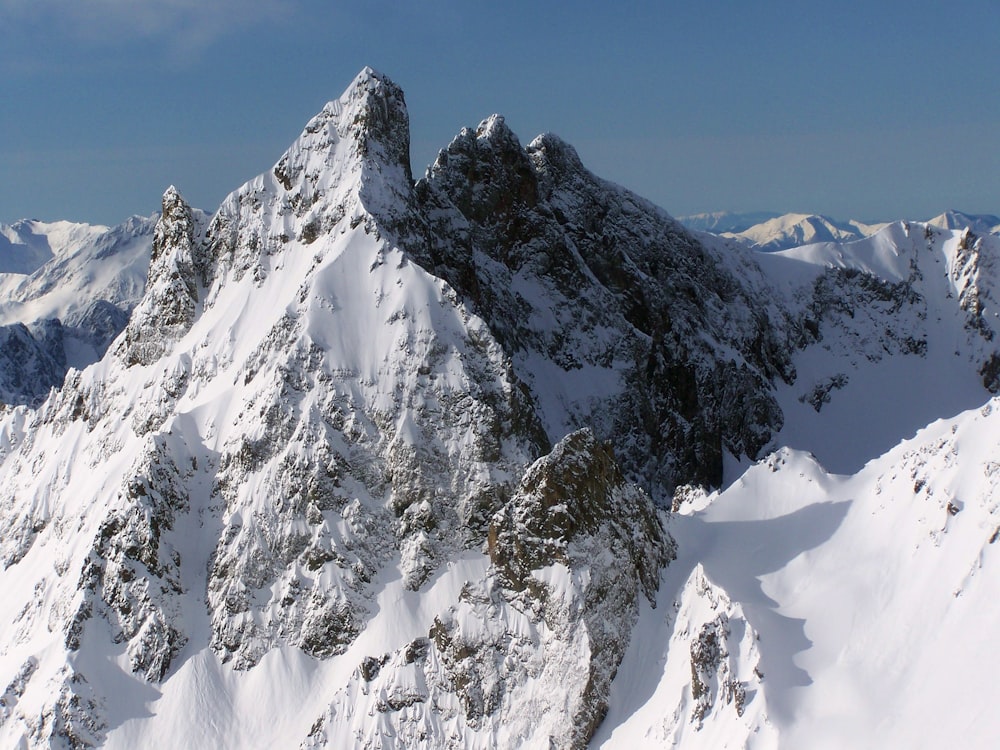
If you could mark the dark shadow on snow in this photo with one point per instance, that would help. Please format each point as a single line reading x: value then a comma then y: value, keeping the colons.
x: 735, y: 555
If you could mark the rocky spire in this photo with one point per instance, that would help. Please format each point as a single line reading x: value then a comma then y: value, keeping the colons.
x: 351, y: 160
x: 168, y: 307
x: 486, y: 172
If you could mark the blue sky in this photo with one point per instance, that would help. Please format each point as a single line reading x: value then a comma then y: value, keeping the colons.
x: 875, y: 110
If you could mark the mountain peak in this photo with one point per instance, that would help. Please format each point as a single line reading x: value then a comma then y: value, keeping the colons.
x: 954, y: 219
x: 494, y: 129
x: 485, y: 170
x: 380, y: 460
x: 554, y: 157
x: 175, y: 267
x: 172, y: 194
x: 369, y: 119
x: 357, y: 145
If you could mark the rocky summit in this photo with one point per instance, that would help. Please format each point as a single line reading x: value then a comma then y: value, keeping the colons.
x: 501, y: 457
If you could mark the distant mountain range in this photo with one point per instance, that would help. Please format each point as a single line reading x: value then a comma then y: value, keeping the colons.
x: 770, y: 232
x: 725, y: 221
x: 25, y: 245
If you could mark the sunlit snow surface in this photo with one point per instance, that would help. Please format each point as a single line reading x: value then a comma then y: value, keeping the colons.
x: 862, y: 556
x: 874, y: 597
x: 859, y: 606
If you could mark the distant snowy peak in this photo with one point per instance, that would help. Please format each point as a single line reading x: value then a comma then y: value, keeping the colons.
x: 111, y: 265
x: 26, y: 245
x: 717, y: 222
x: 67, y: 311
x: 792, y: 230
x: 771, y: 232
x: 978, y: 223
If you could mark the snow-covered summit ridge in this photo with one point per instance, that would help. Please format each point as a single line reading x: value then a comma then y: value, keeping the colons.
x: 363, y: 136
x: 351, y: 160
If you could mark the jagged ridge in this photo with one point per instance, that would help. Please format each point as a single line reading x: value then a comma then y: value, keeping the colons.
x: 339, y: 436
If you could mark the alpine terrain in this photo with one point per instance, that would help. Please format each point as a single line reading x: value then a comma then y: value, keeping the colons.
x: 502, y: 457
x: 66, y: 291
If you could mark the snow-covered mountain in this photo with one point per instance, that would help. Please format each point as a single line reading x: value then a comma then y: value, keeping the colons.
x: 792, y: 230
x: 26, y: 245
x: 717, y: 222
x: 505, y: 457
x: 769, y: 232
x: 68, y: 307
x: 978, y: 223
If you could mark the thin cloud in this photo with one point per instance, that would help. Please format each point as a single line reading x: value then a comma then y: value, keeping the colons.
x: 188, y: 24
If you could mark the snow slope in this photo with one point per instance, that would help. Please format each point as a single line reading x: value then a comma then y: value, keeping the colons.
x: 27, y: 244
x: 870, y: 597
x: 857, y: 553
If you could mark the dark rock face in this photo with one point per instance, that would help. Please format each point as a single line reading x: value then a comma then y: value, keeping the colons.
x: 100, y: 324
x: 574, y: 508
x: 526, y: 656
x: 33, y: 358
x: 31, y: 362
x: 573, y: 270
x: 176, y: 269
x: 573, y: 493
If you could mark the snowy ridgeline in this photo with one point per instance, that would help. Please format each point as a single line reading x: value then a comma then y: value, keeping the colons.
x: 503, y: 457
x: 768, y: 232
